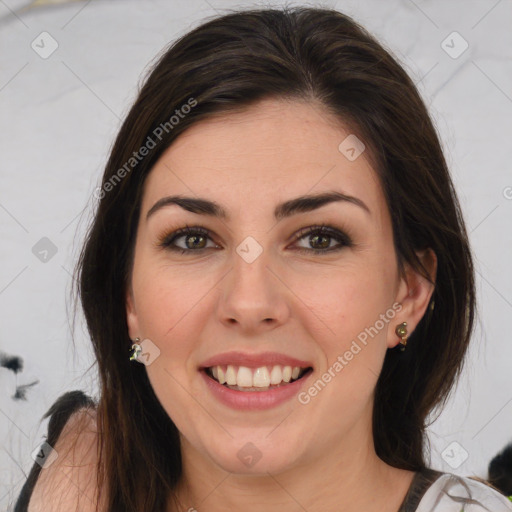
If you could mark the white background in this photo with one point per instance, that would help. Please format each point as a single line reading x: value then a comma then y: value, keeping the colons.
x: 60, y: 116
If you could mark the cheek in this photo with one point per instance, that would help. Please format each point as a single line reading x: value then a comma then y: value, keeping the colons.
x: 355, y: 307
x: 351, y: 297
x: 172, y: 307
x: 166, y: 295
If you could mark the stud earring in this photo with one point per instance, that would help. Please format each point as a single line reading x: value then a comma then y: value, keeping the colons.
x: 135, y: 350
x: 401, y: 332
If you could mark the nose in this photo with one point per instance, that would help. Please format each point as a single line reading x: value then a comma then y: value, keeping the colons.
x: 253, y: 296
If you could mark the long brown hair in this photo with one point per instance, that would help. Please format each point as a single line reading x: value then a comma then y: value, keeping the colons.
x: 226, y: 64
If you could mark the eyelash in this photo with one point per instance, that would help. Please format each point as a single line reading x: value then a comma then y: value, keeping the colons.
x: 168, y: 240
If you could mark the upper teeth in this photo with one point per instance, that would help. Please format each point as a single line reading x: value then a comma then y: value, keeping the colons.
x: 260, y: 377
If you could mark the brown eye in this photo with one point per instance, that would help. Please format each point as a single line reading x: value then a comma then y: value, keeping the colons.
x: 320, y: 239
x: 194, y: 241
x: 191, y: 240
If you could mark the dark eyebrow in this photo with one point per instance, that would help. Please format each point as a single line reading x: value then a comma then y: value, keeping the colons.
x: 191, y: 204
x: 288, y: 208
x: 312, y: 202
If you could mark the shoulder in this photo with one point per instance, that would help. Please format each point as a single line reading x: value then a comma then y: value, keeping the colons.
x: 66, y: 478
x: 452, y: 493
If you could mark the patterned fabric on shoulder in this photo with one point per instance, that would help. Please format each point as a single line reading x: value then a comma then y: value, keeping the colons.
x: 452, y: 493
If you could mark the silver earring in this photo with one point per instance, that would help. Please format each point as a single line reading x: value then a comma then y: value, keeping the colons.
x: 135, y: 350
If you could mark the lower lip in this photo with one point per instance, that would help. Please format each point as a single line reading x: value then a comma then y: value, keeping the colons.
x: 254, y: 400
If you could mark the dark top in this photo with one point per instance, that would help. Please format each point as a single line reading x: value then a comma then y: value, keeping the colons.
x: 72, y: 401
x: 420, y: 483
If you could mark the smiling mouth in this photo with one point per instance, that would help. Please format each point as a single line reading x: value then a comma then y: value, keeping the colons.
x: 263, y: 378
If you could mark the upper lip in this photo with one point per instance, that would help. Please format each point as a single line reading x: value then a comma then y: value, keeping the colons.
x: 254, y: 360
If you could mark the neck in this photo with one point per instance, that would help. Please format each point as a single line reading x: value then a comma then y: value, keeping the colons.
x: 345, y: 480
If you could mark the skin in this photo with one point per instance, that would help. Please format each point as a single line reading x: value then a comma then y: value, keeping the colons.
x: 317, y: 456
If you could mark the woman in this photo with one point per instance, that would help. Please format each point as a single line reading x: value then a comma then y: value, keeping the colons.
x: 279, y: 245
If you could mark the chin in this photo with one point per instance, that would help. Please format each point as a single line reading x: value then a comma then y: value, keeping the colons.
x: 256, y: 454
x: 273, y: 464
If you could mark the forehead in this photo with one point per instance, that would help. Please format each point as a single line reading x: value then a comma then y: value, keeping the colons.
x: 268, y: 153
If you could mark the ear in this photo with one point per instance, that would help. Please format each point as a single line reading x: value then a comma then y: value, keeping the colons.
x: 414, y: 293
x: 131, y: 315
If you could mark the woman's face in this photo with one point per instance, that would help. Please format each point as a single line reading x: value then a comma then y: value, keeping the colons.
x: 252, y: 293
